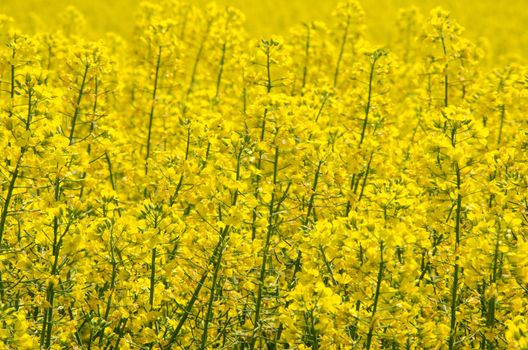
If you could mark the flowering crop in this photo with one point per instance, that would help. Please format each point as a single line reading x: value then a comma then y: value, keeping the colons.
x: 191, y: 187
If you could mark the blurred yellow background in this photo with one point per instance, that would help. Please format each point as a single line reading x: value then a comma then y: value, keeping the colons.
x: 503, y: 23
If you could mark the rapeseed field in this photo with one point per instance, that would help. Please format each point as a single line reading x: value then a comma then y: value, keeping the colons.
x: 263, y: 175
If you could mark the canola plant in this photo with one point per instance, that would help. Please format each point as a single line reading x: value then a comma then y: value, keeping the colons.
x: 192, y: 186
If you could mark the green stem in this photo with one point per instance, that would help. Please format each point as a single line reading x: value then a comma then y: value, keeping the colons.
x: 454, y: 291
x: 174, y: 196
x: 306, y: 57
x: 209, y: 313
x: 222, y: 61
x: 501, y: 125
x: 190, y: 304
x: 349, y: 203
x: 314, y: 189
x: 110, y: 171
x: 369, y: 99
x: 199, y: 56
x: 112, y: 290
x: 265, y: 252
x: 92, y: 127
x: 376, y: 298
x: 152, y: 278
x: 341, y: 51
x: 327, y: 265
x: 364, y: 183
x: 446, y: 75
x: 490, y: 315
x: 323, y: 103
x: 12, y: 89
x: 9, y: 195
x: 220, y: 70
x: 458, y: 205
x: 269, y: 86
x: 78, y: 104
x: 152, y: 108
x: 28, y: 119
